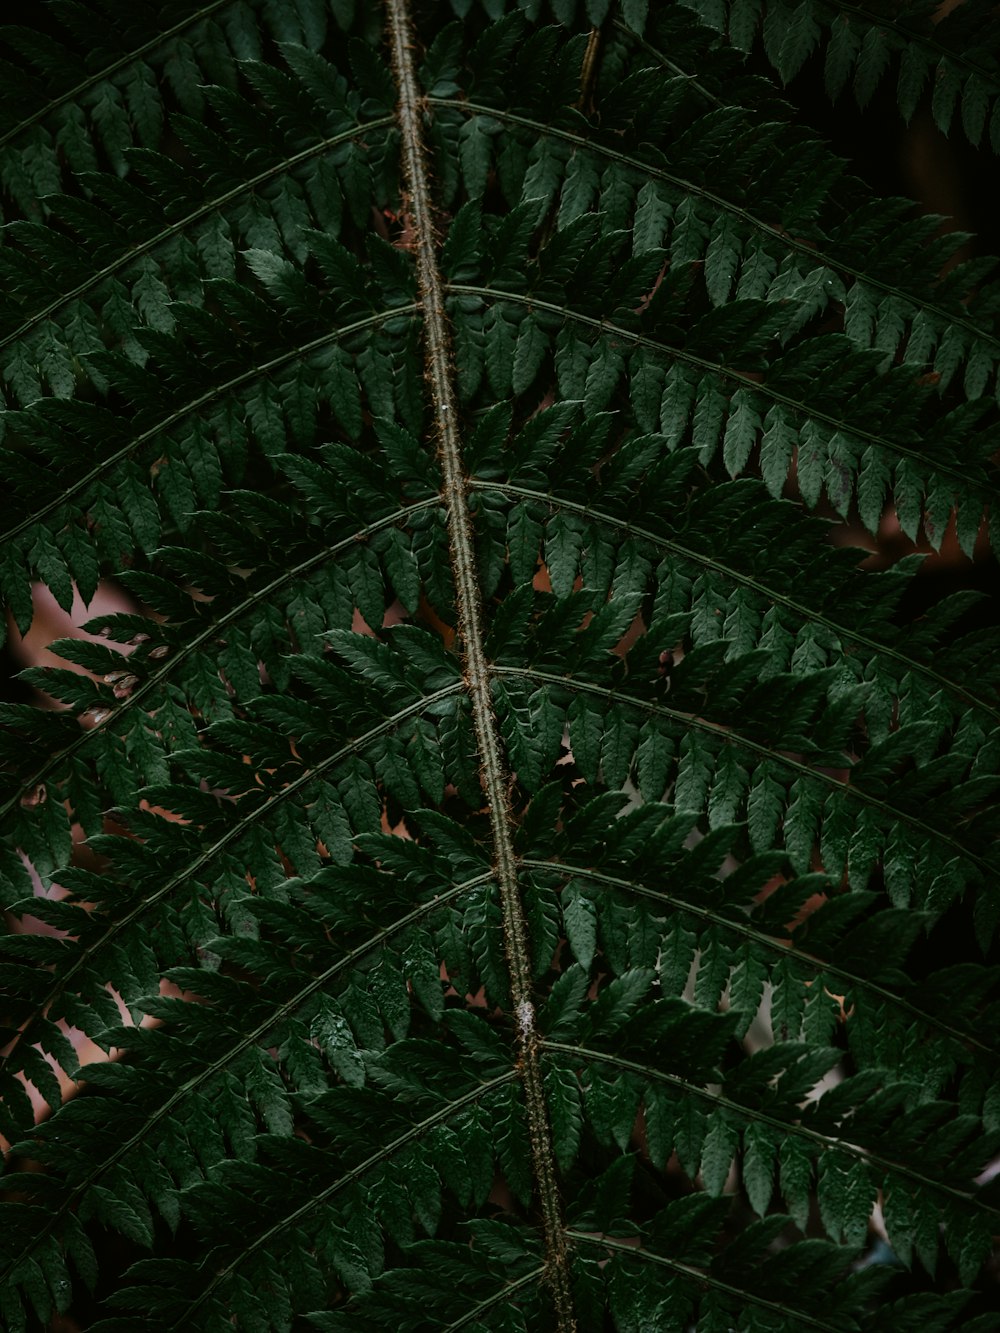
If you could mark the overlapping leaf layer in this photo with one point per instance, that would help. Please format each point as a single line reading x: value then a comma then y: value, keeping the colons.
x: 252, y: 845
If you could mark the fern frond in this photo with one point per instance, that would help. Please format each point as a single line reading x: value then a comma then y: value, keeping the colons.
x: 496, y: 865
x: 954, y: 53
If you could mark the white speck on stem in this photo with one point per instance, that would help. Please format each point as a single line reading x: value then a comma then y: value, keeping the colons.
x: 525, y: 1018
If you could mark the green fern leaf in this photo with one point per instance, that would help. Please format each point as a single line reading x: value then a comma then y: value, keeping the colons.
x: 475, y: 854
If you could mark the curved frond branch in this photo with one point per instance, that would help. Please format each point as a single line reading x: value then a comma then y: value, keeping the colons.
x: 203, y: 1076
x: 645, y: 45
x: 122, y: 62
x: 704, y: 1278
x: 597, y: 515
x: 962, y: 480
x: 191, y: 646
x: 918, y: 37
x: 753, y: 747
x: 910, y: 37
x: 384, y: 1154
x: 782, y: 948
x: 822, y: 1141
x: 115, y: 928
x: 814, y: 253
x: 499, y: 1298
x: 210, y: 395
x: 197, y: 215
x: 494, y: 773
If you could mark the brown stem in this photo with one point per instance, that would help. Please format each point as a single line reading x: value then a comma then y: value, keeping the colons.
x: 493, y: 770
x: 588, y: 71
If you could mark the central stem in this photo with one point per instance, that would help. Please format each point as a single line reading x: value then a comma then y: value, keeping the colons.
x: 493, y: 771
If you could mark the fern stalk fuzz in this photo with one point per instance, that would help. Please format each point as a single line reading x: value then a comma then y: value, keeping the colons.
x: 471, y: 637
